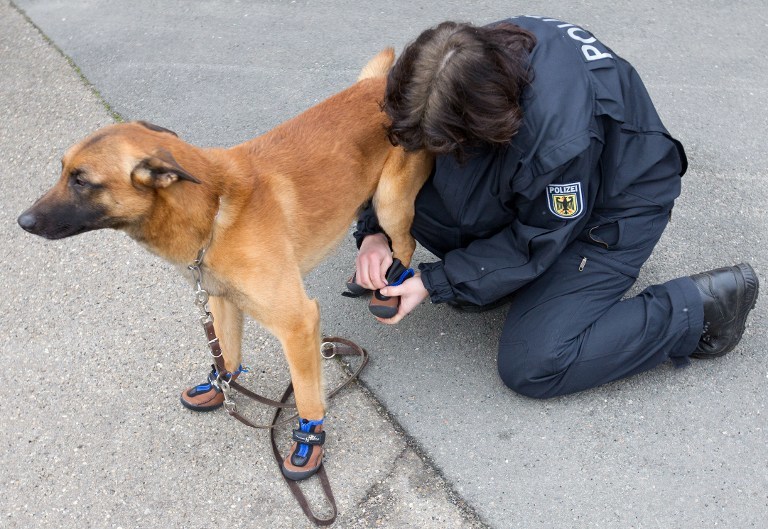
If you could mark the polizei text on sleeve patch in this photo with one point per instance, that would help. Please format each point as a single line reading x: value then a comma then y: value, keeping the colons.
x: 564, y: 200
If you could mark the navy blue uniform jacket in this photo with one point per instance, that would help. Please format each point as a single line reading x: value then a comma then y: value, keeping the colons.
x: 592, y: 150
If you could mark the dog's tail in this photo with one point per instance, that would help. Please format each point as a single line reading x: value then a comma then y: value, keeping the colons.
x: 379, y: 65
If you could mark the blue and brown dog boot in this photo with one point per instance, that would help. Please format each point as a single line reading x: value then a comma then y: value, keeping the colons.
x: 381, y: 306
x: 207, y: 396
x: 353, y: 289
x: 306, y: 454
x: 386, y: 307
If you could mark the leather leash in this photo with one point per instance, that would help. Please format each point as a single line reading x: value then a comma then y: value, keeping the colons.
x: 337, y: 347
x: 350, y: 348
x: 354, y: 349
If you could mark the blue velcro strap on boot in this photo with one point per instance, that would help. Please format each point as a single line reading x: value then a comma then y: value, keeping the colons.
x: 407, y: 274
x: 213, y: 375
x: 306, y: 427
x: 397, y: 273
x: 309, y: 438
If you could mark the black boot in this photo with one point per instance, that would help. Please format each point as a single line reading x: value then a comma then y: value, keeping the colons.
x: 728, y: 295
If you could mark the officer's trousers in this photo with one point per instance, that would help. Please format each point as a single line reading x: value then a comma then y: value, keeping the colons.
x: 569, y: 330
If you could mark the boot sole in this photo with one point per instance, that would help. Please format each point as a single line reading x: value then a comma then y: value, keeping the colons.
x: 296, y: 473
x: 382, y: 306
x: 751, y: 291
x: 298, y: 476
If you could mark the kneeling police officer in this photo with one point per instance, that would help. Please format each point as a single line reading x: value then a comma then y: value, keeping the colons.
x: 554, y: 180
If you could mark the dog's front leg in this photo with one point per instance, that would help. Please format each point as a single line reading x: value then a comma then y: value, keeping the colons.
x: 228, y: 323
x: 300, y: 336
x: 282, y: 306
x: 297, y: 327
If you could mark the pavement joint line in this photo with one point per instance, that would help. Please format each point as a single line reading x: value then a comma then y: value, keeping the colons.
x: 116, y: 117
x: 376, y: 487
x: 381, y: 486
x: 411, y: 443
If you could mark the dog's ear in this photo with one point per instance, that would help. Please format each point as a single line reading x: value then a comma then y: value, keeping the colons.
x: 159, y: 171
x: 156, y: 128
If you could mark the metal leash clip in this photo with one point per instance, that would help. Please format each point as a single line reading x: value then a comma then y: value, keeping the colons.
x: 201, y: 295
x: 223, y: 384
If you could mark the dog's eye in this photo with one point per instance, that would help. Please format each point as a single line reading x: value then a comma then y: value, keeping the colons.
x: 78, y: 180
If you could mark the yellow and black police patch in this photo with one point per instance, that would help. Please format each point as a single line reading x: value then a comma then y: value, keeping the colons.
x: 564, y: 200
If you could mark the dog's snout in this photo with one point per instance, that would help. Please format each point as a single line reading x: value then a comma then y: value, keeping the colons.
x: 28, y: 221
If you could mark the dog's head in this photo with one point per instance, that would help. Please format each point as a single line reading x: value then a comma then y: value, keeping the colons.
x: 108, y: 180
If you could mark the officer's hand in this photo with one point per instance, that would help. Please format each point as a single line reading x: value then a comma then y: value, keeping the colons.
x: 411, y: 292
x: 373, y: 261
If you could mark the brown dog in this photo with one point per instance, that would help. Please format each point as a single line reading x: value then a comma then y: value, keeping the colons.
x: 268, y: 211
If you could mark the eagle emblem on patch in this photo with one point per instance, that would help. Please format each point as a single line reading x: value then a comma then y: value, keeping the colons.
x: 564, y: 200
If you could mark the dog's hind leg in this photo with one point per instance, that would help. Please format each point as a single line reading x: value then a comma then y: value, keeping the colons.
x: 228, y: 323
x: 402, y: 177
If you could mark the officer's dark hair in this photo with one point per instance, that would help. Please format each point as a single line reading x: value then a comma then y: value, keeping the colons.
x: 458, y: 86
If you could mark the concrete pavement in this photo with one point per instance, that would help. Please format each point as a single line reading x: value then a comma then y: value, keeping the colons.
x: 669, y: 448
